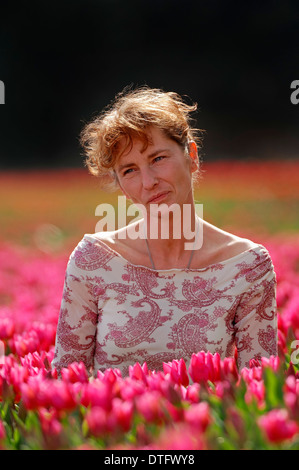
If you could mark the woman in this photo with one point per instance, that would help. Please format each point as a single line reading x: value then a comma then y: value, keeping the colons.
x: 154, y: 298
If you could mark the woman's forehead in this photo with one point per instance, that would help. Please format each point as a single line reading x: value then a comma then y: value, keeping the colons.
x: 152, y: 139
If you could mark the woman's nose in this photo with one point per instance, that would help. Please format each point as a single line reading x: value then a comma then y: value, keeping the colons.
x: 149, y: 178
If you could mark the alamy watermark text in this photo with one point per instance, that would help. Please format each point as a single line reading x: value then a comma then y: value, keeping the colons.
x: 295, y: 94
x: 158, y: 220
x: 2, y: 92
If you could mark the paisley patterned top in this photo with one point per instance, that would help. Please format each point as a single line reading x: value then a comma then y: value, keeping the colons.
x: 114, y: 313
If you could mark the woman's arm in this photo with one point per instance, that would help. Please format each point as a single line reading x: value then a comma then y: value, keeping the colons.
x: 256, y: 320
x: 77, y: 323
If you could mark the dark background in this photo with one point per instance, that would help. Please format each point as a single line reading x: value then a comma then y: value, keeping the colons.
x: 63, y: 61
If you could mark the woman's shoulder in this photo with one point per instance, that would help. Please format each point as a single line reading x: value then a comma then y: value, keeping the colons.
x: 92, y: 252
x: 118, y: 244
x: 222, y: 246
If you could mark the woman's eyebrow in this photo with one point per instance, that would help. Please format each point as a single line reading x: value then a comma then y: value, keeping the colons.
x: 151, y: 155
x: 156, y: 152
x: 125, y: 165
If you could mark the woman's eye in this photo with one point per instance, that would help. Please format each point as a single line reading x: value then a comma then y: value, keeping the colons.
x: 157, y: 159
x: 129, y: 170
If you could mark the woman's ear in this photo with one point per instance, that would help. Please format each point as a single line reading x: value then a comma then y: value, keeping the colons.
x: 193, y: 154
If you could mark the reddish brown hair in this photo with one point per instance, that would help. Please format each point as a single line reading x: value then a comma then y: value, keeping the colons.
x: 129, y: 116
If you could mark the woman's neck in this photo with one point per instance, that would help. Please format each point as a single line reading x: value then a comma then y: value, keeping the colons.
x: 171, y: 232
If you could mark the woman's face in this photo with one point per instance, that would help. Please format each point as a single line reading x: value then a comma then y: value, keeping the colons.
x: 161, y: 173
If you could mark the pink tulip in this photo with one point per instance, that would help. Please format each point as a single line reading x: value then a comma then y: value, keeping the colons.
x: 123, y: 413
x: 151, y: 406
x: 37, y: 363
x: 30, y: 291
x: 282, y: 342
x: 281, y: 322
x: 138, y: 372
x: 193, y: 393
x: 60, y: 395
x: 33, y: 395
x: 7, y: 328
x: 198, y: 415
x: 224, y: 389
x: 2, y: 431
x: 15, y: 377
x: 277, y: 426
x: 96, y: 420
x: 229, y: 368
x: 96, y: 393
x: 204, y: 366
x: 273, y: 362
x: 177, y: 371
x: 130, y: 388
x: 255, y: 391
x: 110, y: 376
x: 75, y: 372
x: 291, y: 395
x: 217, y: 363
x: 101, y: 422
x: 42, y: 393
x: 49, y: 422
x: 182, y: 437
x: 254, y: 373
x: 198, y: 369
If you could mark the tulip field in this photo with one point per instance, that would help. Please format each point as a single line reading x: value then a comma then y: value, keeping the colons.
x: 209, y: 405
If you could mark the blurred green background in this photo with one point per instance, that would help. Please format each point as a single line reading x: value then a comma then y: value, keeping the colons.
x: 62, y: 62
x: 51, y: 210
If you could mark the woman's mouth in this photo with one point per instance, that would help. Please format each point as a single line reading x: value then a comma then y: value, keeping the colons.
x: 158, y: 197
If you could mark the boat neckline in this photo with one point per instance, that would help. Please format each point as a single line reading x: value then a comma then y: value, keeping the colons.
x: 210, y: 266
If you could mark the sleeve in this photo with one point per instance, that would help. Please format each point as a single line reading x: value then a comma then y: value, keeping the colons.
x: 77, y: 322
x: 255, y: 322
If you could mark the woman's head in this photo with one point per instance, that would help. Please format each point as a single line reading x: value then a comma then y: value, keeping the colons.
x: 129, y: 117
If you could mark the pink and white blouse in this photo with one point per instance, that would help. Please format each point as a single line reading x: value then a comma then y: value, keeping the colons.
x: 114, y: 313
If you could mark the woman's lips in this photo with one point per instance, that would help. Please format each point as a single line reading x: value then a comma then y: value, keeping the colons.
x: 158, y: 197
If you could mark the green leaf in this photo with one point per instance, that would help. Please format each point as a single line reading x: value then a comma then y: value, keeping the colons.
x: 274, y: 388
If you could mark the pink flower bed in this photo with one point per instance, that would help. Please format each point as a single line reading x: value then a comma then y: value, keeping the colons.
x: 209, y: 405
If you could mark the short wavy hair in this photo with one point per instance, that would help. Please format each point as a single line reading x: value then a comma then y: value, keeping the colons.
x: 129, y: 116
